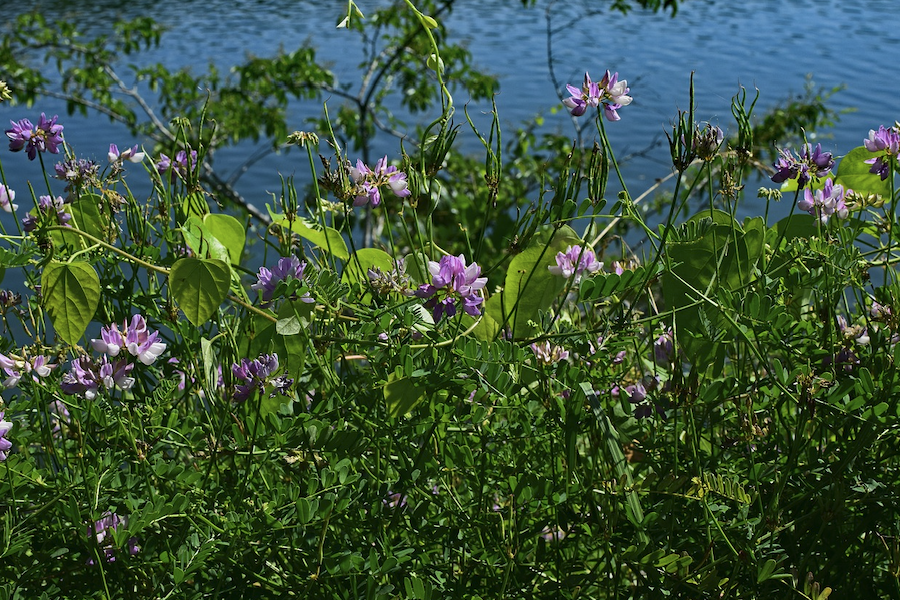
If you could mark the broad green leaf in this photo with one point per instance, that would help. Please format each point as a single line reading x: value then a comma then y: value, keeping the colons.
x: 87, y: 217
x: 199, y: 286
x: 230, y: 233
x: 327, y: 238
x: 294, y: 316
x: 364, y: 259
x: 853, y: 173
x: 402, y: 394
x: 530, y: 286
x: 71, y: 292
x: 201, y: 240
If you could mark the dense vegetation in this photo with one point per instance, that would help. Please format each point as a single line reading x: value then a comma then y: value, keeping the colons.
x: 431, y: 390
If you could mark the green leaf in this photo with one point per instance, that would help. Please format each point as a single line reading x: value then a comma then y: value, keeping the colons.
x: 327, y: 238
x: 87, y: 216
x: 71, y: 292
x: 530, y: 286
x: 199, y: 286
x: 365, y: 259
x: 853, y: 173
x: 201, y: 240
x: 230, y: 232
x: 294, y: 316
x: 402, y: 394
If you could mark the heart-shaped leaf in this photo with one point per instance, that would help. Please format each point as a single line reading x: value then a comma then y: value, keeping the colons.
x: 199, y: 286
x: 71, y: 292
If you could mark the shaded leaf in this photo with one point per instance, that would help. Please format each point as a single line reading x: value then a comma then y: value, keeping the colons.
x: 71, y: 292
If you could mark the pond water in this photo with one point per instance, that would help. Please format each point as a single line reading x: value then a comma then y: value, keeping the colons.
x: 772, y: 45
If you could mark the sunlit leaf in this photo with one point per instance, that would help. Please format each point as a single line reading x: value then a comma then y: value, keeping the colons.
x: 199, y: 286
x: 71, y: 292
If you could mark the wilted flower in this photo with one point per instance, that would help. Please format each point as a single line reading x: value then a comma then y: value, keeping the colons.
x: 48, y: 206
x: 46, y: 137
x: 825, y: 202
x: 707, y: 141
x: 135, y: 337
x: 5, y: 444
x: 130, y: 154
x: 886, y: 141
x: 77, y: 173
x: 369, y: 182
x: 7, y: 195
x: 286, y: 269
x: 575, y: 261
x: 103, y: 530
x: 396, y: 280
x: 548, y: 354
x: 257, y: 374
x: 453, y: 285
x: 810, y: 163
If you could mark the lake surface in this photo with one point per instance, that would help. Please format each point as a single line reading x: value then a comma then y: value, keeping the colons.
x: 766, y: 44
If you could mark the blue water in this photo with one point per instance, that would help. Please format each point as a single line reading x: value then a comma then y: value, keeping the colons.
x: 768, y: 44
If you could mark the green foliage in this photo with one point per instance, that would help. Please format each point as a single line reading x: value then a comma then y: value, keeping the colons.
x: 714, y: 420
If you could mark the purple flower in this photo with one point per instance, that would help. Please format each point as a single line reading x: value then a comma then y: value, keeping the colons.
x: 103, y: 530
x: 394, y: 500
x: 548, y: 354
x: 5, y: 444
x: 286, y: 269
x: 130, y: 154
x: 886, y: 141
x: 86, y: 377
x: 809, y: 163
x: 48, y: 206
x: 581, y: 99
x: 613, y: 95
x: 453, y: 285
x: 58, y: 416
x: 46, y: 137
x: 575, y: 261
x: 369, y: 182
x: 77, y: 173
x: 179, y: 165
x: 39, y: 366
x: 257, y: 374
x: 134, y: 337
x: 7, y: 195
x: 609, y: 91
x: 664, y: 348
x: 707, y: 141
x: 825, y: 202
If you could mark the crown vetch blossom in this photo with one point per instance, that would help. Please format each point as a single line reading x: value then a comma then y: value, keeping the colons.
x: 257, y: 374
x: 286, y: 269
x: 103, y: 528
x: 886, y: 141
x: 39, y: 366
x: 7, y: 195
x: 825, y: 202
x: 46, y: 137
x: 453, y: 285
x: 77, y: 173
x: 5, y: 444
x: 86, y: 377
x: 180, y: 165
x: 548, y: 354
x: 130, y: 154
x: 575, y: 261
x: 609, y: 91
x: 810, y: 163
x: 581, y: 99
x: 664, y: 348
x: 369, y: 182
x: 135, y: 337
x: 47, y: 206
